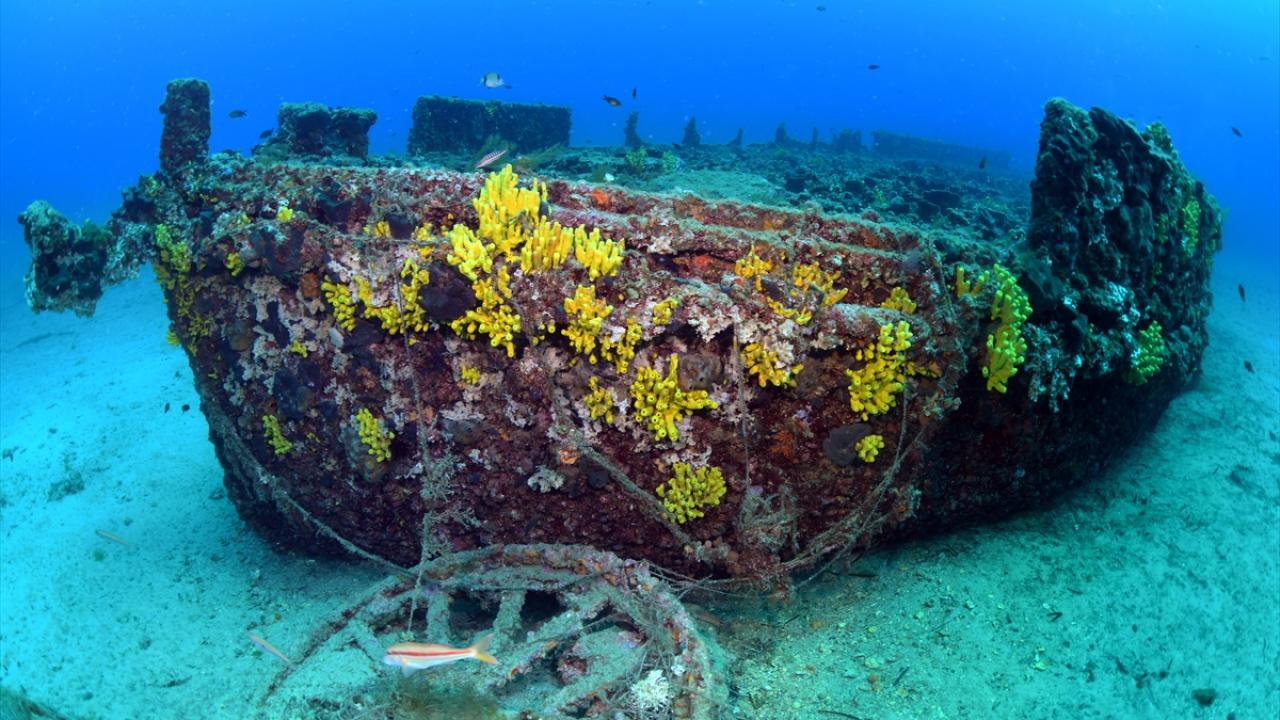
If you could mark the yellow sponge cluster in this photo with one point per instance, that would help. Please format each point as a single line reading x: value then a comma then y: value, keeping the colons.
x: 507, y: 212
x: 620, y: 353
x: 275, y: 438
x: 873, y: 386
x: 964, y: 287
x: 468, y: 253
x: 764, y: 364
x: 344, y: 308
x: 494, y: 318
x: 599, y: 401
x: 1006, y: 348
x: 809, y: 277
x: 175, y: 258
x: 662, y: 311
x: 899, y: 300
x: 234, y: 263
x: 586, y: 314
x: 753, y: 267
x: 408, y: 314
x: 812, y: 288
x: 685, y: 494
x: 374, y: 435
x: 661, y: 403
x: 600, y: 256
x: 548, y: 247
x: 869, y: 446
x: 511, y: 228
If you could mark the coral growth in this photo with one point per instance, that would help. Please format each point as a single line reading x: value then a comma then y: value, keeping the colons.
x: 392, y: 317
x: 662, y: 311
x: 899, y: 300
x: 344, y: 308
x: 869, y: 447
x: 650, y: 696
x: 375, y: 437
x: 174, y: 256
x: 873, y: 387
x: 599, y: 401
x: 689, y: 490
x: 511, y: 228
x: 1006, y: 348
x: 661, y: 403
x: 753, y: 267
x: 274, y: 436
x: 1149, y: 355
x: 586, y: 314
x: 1190, y: 225
x: 766, y: 366
x: 964, y: 288
x: 234, y: 263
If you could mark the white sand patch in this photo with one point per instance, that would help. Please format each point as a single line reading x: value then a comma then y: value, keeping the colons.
x: 1165, y: 572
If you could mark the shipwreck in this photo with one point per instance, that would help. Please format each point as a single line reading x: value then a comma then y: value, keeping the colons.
x: 405, y: 362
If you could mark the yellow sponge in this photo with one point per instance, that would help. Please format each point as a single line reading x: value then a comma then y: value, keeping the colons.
x: 685, y: 494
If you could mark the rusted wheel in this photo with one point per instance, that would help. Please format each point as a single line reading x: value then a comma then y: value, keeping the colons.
x: 577, y: 632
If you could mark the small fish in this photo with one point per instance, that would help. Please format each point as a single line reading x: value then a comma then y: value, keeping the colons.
x: 1236, y: 131
x: 265, y: 134
x: 1240, y: 289
x: 489, y: 159
x: 982, y: 164
x: 873, y: 66
x: 493, y: 80
x: 612, y: 101
x: 261, y: 642
x: 412, y: 656
x: 186, y: 407
x: 1248, y: 366
x: 633, y: 93
x: 166, y: 407
x: 822, y: 8
x: 236, y: 114
x: 108, y: 535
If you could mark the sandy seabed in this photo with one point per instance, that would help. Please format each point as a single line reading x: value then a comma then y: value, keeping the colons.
x: 1144, y: 594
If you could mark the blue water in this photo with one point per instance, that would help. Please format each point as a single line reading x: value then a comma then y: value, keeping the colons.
x: 81, y: 81
x: 80, y: 86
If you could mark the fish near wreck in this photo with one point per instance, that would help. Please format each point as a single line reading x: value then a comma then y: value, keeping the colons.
x: 727, y: 389
x: 411, y: 657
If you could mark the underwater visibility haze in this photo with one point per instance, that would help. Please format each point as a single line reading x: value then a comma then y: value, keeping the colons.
x: 640, y: 360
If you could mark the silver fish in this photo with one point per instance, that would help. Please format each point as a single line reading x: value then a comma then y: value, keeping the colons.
x: 493, y: 80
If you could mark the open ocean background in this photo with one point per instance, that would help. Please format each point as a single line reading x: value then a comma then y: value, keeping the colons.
x: 82, y: 80
x: 99, y: 630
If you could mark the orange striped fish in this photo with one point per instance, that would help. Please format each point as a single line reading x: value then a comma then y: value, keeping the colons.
x: 411, y: 656
x: 108, y: 535
x: 261, y: 642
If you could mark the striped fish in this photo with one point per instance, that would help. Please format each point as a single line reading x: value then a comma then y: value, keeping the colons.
x: 489, y: 159
x: 411, y: 656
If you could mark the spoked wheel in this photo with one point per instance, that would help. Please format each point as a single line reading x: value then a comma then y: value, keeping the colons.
x: 577, y: 632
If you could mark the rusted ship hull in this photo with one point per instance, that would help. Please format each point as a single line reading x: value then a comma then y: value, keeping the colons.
x: 402, y: 427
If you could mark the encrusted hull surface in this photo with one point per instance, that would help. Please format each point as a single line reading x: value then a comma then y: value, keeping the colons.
x: 390, y: 366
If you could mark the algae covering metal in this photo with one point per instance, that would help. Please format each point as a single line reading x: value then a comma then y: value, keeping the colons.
x: 579, y: 633
x: 402, y: 362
